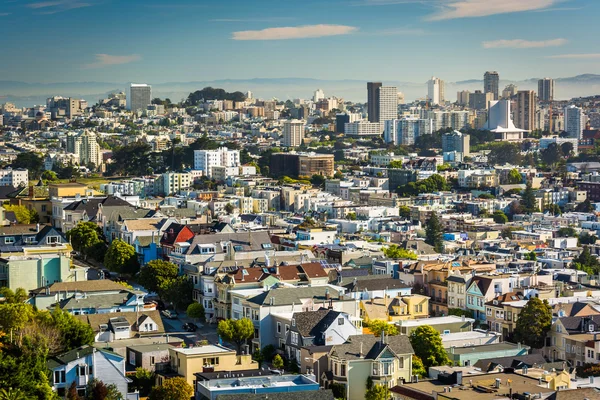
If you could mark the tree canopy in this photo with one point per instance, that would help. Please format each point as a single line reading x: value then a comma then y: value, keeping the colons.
x: 84, y: 236
x: 157, y: 275
x: 433, y: 233
x: 121, y: 258
x: 236, y: 331
x: 394, y: 251
x: 172, y: 389
x: 534, y: 323
x: 427, y: 344
x: 377, y: 326
x: 435, y: 183
x: 209, y: 93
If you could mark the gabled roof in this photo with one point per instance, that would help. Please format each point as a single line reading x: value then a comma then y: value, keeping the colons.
x: 288, y: 296
x: 371, y: 347
x: 90, y: 206
x: 81, y: 286
x: 313, y: 323
x: 577, y: 309
x: 76, y: 354
x: 95, y: 320
x: 374, y: 282
x: 579, y: 324
x: 488, y: 364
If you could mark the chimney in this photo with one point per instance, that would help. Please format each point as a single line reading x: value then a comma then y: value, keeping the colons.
x: 361, y: 350
x: 382, y: 337
x: 327, y: 294
x: 37, y: 228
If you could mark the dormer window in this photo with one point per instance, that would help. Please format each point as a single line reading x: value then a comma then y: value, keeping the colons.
x: 53, y: 239
x: 293, y: 321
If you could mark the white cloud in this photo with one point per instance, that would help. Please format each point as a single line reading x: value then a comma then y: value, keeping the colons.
x: 52, y: 7
x: 294, y: 32
x: 588, y: 56
x: 4, y: 14
x: 451, y: 9
x: 105, y: 60
x: 522, y: 44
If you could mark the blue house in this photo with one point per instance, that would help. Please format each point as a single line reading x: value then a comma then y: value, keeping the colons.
x: 147, y: 248
x: 85, y: 363
x: 476, y: 297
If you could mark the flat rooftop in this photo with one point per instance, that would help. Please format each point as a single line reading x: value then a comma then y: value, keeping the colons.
x: 467, y: 335
x: 205, y: 349
x: 487, y: 348
x: 258, y: 382
x: 434, y: 321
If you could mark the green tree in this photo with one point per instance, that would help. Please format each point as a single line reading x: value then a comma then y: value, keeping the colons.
x: 172, y: 389
x: 514, y: 177
x: 277, y: 362
x: 459, y: 312
x: 121, y: 258
x: 49, y: 175
x: 196, y: 311
x: 338, y: 175
x: 433, y: 233
x: 30, y: 161
x: 528, y: 200
x: 72, y: 392
x: 155, y: 275
x: 427, y: 344
x: 396, y: 252
x: 404, y: 212
x: 84, y: 236
x: 584, y: 206
x: 586, y: 238
x: 499, y: 217
x: 10, y: 297
x: 534, y: 323
x: 504, y: 153
x: 396, y: 164
x: 74, y: 333
x: 554, y: 209
x: 351, y: 216
x: 229, y: 208
x: 378, y: 326
x: 178, y: 292
x: 567, y: 232
x: 236, y: 331
x: 551, y: 155
x: 258, y: 357
x: 23, y: 214
x: 98, y: 390
x: 377, y: 392
x: 418, y: 368
x: 531, y: 256
x: 13, y: 394
x: 144, y: 380
x: 317, y: 180
x: 268, y: 352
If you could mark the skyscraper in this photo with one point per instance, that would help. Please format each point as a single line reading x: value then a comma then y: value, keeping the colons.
x: 525, y: 110
x: 491, y: 79
x: 373, y: 101
x: 318, y: 95
x: 293, y: 133
x: 574, y: 121
x: 546, y: 89
x: 435, y: 90
x: 139, y: 95
x: 388, y: 103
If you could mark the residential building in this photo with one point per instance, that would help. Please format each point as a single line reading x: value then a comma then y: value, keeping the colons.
x: 388, y: 103
x: 386, y: 360
x: 85, y: 363
x: 462, y: 98
x: 469, y: 355
x: 526, y: 107
x: 85, y: 147
x: 559, y: 141
x: 509, y: 91
x: 362, y: 128
x: 456, y: 141
x: 187, y: 361
x: 569, y: 338
x: 109, y: 327
x: 405, y: 131
x: 574, y: 121
x: 546, y: 89
x: 491, y: 80
x: 139, y: 96
x: 479, y: 100
x: 395, y: 308
x: 152, y: 357
x: 204, y: 160
x: 435, y: 91
x: 171, y: 183
x: 310, y: 164
x: 373, y: 101
x: 16, y: 178
x: 293, y: 133
x: 261, y: 386
x: 444, y: 325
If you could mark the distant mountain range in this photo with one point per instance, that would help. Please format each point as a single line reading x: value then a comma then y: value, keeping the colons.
x: 28, y: 94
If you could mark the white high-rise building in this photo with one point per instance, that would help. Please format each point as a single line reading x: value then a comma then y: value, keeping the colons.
x: 318, y: 95
x: 293, y: 133
x: 388, y: 103
x: 405, y: 131
x: 84, y: 145
x: 574, y: 121
x: 139, y: 95
x: 435, y: 90
x: 14, y: 177
x: 204, y: 160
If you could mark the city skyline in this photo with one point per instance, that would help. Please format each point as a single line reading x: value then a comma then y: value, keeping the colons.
x: 189, y: 41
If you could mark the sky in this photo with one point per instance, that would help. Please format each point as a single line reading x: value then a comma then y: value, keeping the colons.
x: 199, y: 40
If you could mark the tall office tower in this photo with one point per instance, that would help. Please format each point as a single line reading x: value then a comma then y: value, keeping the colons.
x: 293, y: 133
x: 491, y: 79
x: 388, y: 103
x: 462, y: 98
x: 546, y: 89
x: 525, y: 110
x: 435, y: 90
x: 139, y: 95
x: 509, y: 91
x: 373, y: 101
x: 318, y: 95
x: 574, y: 121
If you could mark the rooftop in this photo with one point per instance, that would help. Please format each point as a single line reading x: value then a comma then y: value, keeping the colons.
x: 205, y: 349
x: 488, y: 347
x: 451, y: 319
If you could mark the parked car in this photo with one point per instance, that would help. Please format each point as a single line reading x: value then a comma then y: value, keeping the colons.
x: 171, y: 314
x: 189, y: 327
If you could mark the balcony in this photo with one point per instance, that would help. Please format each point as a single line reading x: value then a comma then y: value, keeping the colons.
x: 438, y: 300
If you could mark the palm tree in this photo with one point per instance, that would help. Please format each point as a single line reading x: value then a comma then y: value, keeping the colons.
x: 13, y: 394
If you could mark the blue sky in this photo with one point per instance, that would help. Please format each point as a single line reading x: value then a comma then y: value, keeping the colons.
x: 403, y: 40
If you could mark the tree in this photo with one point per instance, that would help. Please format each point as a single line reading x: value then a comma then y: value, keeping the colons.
x: 551, y: 155
x: 499, y: 217
x: 427, y: 344
x: 554, y: 209
x: 528, y: 200
x: 567, y: 232
x: 74, y: 332
x: 31, y: 162
x: 84, y: 236
x: 531, y: 256
x: 155, y: 275
x: 229, y: 208
x: 172, y: 389
x: 178, y: 292
x: 121, y: 258
x: 268, y: 352
x: 394, y: 251
x: 459, y: 312
x: 97, y: 390
x: 338, y: 175
x: 433, y: 233
x: 338, y: 390
x: 377, y: 392
x: 49, y: 175
x: 237, y: 331
x: 514, y: 177
x: 534, y: 323
x: 584, y: 206
x: 378, y: 326
x: 504, y: 153
x: 144, y: 380
x: 23, y: 214
x: 258, y: 357
x: 404, y: 212
x: 10, y: 297
x: 317, y: 180
x: 351, y: 216
x: 586, y: 238
x: 196, y: 310
x: 397, y: 164
x: 277, y: 362
x: 418, y: 368
x: 13, y: 394
x: 72, y: 392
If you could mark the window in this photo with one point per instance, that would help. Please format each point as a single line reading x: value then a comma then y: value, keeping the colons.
x: 293, y: 322
x: 131, y: 358
x: 343, y: 370
x: 53, y: 239
x: 152, y: 361
x: 279, y: 327
x: 210, y: 361
x: 295, y: 338
x: 59, y: 376
x: 81, y: 370
x: 335, y: 369
x: 340, y: 321
x: 9, y: 240
x: 287, y: 328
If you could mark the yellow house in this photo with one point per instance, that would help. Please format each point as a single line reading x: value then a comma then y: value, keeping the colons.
x: 70, y: 189
x: 186, y: 361
x: 395, y: 309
